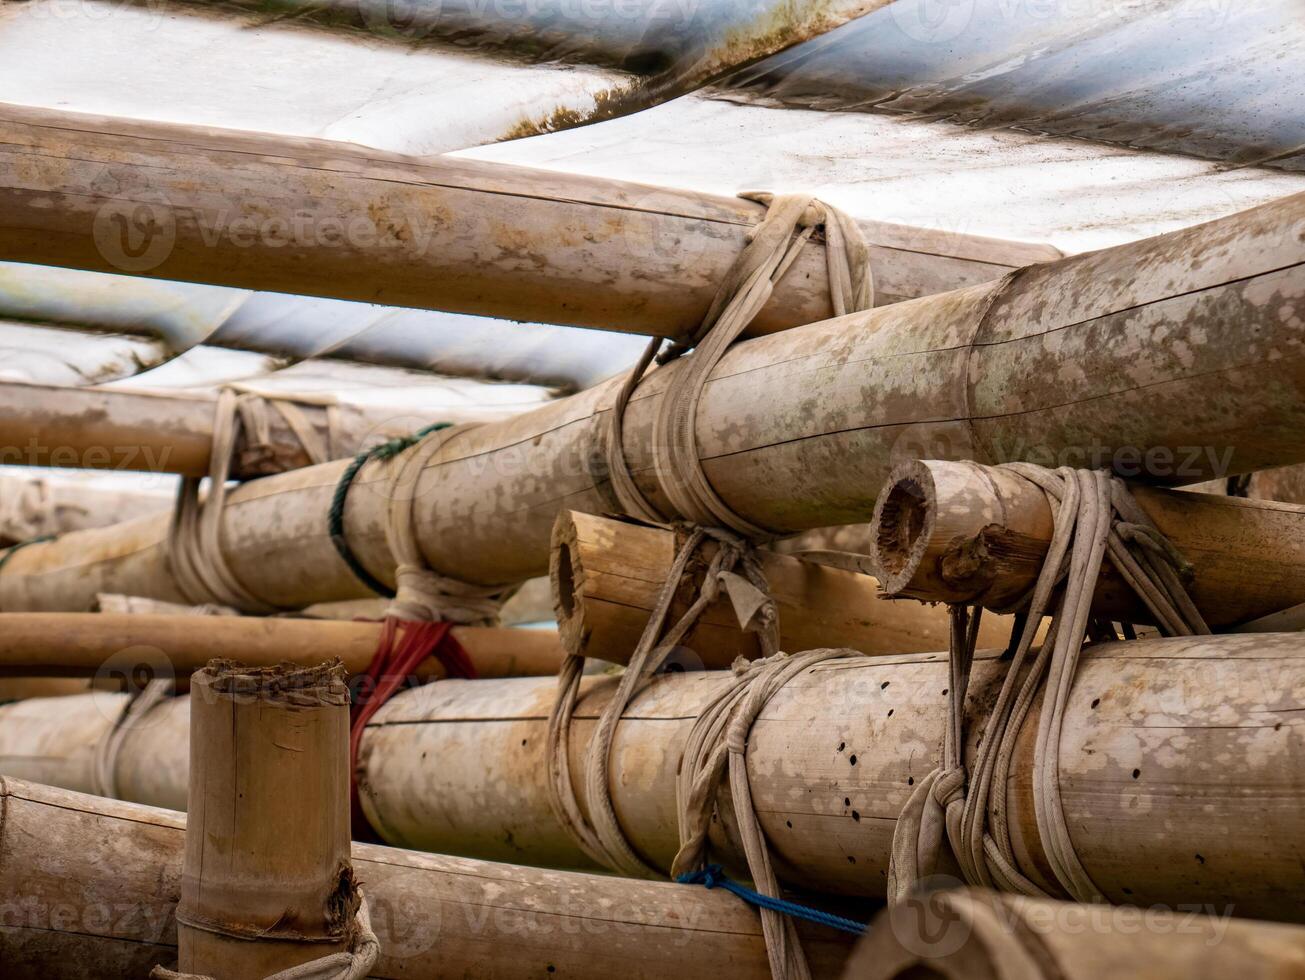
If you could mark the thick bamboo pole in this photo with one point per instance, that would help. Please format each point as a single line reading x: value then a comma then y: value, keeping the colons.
x: 832, y: 760
x: 120, y: 644
x: 266, y: 881
x: 109, y: 913
x: 168, y: 432
x: 961, y: 532
x: 981, y: 935
x: 607, y: 575
x: 314, y: 217
x: 1068, y: 360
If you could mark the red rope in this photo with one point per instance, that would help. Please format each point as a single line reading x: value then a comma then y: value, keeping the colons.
x: 404, y: 645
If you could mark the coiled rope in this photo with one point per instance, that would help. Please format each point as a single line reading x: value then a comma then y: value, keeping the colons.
x: 1095, y: 518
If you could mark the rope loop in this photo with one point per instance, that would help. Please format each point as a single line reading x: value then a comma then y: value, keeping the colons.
x: 195, y: 555
x: 773, y: 245
x: 699, y: 513
x: 420, y: 593
x: 599, y: 835
x: 1095, y: 518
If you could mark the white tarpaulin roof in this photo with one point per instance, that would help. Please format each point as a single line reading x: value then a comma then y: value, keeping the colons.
x: 948, y: 134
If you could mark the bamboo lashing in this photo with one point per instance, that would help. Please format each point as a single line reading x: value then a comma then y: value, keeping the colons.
x: 799, y: 429
x: 959, y: 532
x: 835, y: 753
x: 1094, y: 517
x: 438, y: 233
x: 607, y: 575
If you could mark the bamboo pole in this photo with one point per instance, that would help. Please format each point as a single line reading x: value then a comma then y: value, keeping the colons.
x: 961, y: 532
x: 32, y: 507
x: 266, y: 881
x: 96, y: 644
x: 170, y: 432
x: 607, y: 576
x: 831, y: 761
x: 109, y: 913
x: 800, y: 429
x: 981, y: 935
x: 313, y: 217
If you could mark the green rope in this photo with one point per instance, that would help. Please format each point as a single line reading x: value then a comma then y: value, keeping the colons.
x: 335, y: 516
x: 14, y: 549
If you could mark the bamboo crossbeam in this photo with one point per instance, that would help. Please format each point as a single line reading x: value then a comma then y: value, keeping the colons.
x: 96, y: 644
x: 607, y: 575
x: 1066, y: 360
x: 110, y: 913
x: 831, y: 760
x: 965, y: 533
x: 313, y: 217
x: 970, y: 934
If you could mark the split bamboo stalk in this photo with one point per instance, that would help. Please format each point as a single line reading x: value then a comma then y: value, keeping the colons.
x: 321, y: 218
x: 266, y: 881
x: 831, y: 761
x: 167, y: 432
x: 607, y: 575
x: 109, y: 912
x: 799, y: 429
x: 982, y: 935
x: 962, y: 532
x: 97, y: 644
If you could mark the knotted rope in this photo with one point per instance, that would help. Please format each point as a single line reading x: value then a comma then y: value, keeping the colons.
x: 1095, y: 517
x: 773, y: 245
x: 353, y: 964
x: 735, y: 568
x: 194, y: 537
x: 424, y: 607
x: 717, y: 747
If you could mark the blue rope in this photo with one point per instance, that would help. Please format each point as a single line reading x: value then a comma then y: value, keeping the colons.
x: 713, y: 877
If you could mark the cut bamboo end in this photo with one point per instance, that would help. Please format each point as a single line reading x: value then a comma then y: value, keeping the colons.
x: 945, y: 531
x: 963, y: 532
x: 607, y: 576
x: 266, y: 882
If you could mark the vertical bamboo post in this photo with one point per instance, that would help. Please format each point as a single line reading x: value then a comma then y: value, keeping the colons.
x: 267, y: 882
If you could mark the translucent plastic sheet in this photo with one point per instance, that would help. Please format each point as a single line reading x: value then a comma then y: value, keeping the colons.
x: 1219, y: 79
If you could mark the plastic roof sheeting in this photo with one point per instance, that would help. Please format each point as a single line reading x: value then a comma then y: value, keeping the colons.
x: 1219, y: 79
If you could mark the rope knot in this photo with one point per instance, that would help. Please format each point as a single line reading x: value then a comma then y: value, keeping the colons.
x: 709, y: 876
x: 949, y: 787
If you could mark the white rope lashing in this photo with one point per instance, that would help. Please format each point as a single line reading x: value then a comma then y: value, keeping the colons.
x: 1095, y: 517
x: 420, y: 592
x: 194, y: 536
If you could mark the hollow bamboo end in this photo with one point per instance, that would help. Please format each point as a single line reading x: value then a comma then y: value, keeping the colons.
x: 565, y: 575
x: 903, y: 525
x: 322, y: 685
